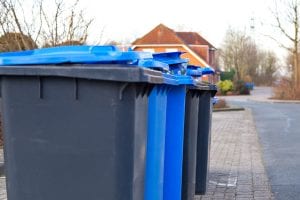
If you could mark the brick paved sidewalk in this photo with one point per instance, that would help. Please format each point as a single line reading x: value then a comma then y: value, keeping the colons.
x: 2, y: 181
x: 236, y: 165
x: 2, y: 189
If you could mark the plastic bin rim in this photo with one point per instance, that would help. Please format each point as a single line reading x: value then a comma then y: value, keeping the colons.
x: 174, y: 79
x: 208, y: 87
x: 108, y: 72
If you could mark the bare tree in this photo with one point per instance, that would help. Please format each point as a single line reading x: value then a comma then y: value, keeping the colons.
x: 239, y: 52
x: 13, y: 35
x: 66, y: 25
x: 286, y: 14
x: 268, y: 66
x: 44, y: 23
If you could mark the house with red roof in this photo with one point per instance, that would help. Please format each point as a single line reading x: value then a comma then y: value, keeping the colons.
x: 163, y: 39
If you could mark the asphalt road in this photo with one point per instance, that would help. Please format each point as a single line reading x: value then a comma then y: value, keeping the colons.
x: 278, y: 126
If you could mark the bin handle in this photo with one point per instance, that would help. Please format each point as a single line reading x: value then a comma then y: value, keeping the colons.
x: 153, y: 64
x: 170, y: 57
x: 194, y: 71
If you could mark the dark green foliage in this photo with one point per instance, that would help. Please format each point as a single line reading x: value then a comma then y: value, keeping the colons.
x: 228, y: 75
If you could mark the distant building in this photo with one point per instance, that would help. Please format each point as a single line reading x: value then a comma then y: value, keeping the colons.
x: 163, y: 39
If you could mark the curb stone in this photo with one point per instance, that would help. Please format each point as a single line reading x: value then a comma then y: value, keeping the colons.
x: 228, y: 109
x: 275, y: 101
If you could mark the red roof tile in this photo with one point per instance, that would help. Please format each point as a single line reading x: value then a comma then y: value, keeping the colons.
x: 193, y: 38
x: 159, y: 35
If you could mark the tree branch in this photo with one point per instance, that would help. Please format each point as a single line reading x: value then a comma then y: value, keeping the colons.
x: 283, y: 30
x: 279, y: 43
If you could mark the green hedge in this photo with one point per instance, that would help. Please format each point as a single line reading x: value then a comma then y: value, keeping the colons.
x: 227, y: 75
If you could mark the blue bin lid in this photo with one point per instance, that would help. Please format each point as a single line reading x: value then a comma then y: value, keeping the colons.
x: 207, y: 70
x: 177, y: 68
x: 174, y: 79
x: 153, y: 64
x: 170, y: 79
x: 194, y: 71
x: 176, y: 64
x: 185, y: 80
x: 72, y: 54
x: 171, y: 58
x: 102, y: 54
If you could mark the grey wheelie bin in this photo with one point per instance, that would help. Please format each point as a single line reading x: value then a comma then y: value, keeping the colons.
x: 203, y: 137
x: 196, y: 137
x: 75, y: 123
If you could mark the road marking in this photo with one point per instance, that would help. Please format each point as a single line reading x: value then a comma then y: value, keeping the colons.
x: 230, y: 183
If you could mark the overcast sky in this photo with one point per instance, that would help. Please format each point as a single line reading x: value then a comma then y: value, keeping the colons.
x: 125, y: 20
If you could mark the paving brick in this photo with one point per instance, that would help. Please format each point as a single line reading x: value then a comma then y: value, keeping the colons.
x: 230, y: 195
x: 244, y: 196
x: 262, y: 194
x: 205, y: 198
x: 262, y: 198
x: 2, y: 189
x: 261, y: 188
x: 236, y: 159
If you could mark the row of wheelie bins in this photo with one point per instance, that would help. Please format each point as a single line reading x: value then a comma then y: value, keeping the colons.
x: 92, y: 122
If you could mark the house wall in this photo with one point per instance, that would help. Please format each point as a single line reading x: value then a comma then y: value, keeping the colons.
x: 192, y: 59
x: 203, y: 51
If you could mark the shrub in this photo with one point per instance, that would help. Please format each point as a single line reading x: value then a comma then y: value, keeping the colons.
x: 285, y: 90
x: 225, y: 86
x: 16, y: 42
x: 241, y: 88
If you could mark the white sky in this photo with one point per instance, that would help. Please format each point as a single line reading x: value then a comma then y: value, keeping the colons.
x: 125, y: 20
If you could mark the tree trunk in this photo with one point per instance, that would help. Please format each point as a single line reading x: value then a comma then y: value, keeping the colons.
x: 296, y: 46
x: 295, y: 71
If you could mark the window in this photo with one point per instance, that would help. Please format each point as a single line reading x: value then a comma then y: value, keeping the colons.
x: 149, y: 50
x: 171, y: 49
